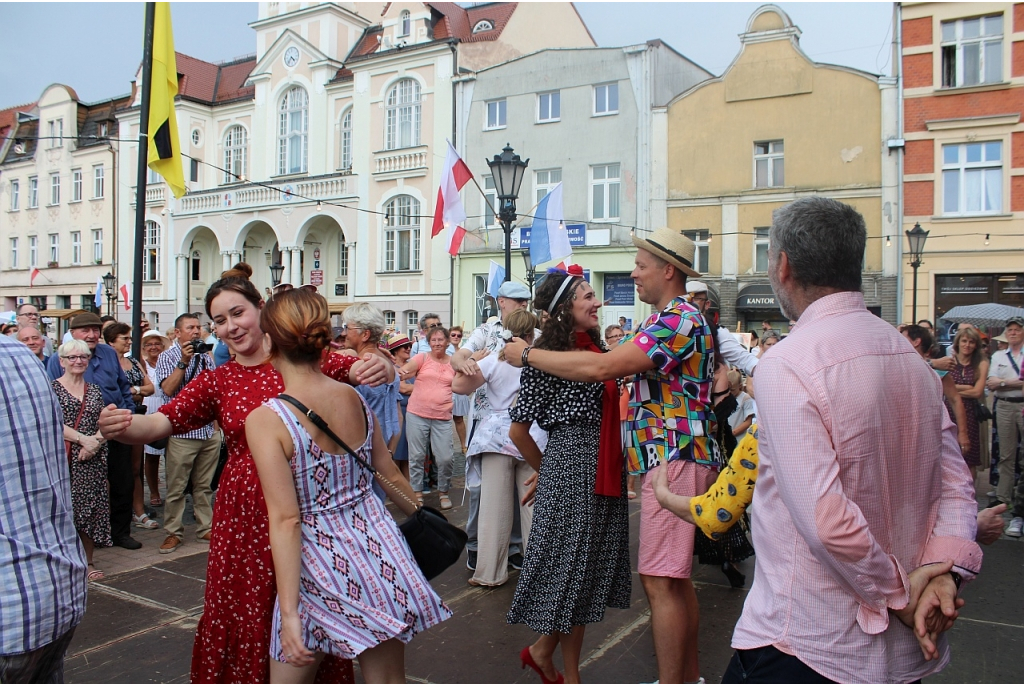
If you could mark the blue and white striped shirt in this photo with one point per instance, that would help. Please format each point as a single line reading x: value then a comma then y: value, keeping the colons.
x: 165, y: 366
x: 42, y: 562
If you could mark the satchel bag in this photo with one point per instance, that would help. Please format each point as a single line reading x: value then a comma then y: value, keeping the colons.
x: 436, y: 544
x: 982, y: 412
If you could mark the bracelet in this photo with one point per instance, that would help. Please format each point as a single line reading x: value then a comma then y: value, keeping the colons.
x: 525, y: 359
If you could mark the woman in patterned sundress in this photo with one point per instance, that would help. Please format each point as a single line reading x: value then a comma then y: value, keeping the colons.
x: 577, y: 558
x: 347, y: 583
x: 81, y: 404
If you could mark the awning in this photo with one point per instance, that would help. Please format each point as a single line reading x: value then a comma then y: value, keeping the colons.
x: 60, y: 313
x: 338, y: 307
x: 756, y: 297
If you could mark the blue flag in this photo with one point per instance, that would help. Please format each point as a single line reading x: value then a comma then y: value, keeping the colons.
x: 495, y: 277
x: 548, y: 239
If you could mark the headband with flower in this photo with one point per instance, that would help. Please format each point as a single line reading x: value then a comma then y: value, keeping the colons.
x: 573, y: 272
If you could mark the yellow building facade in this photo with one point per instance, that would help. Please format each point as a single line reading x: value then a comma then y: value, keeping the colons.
x: 775, y: 127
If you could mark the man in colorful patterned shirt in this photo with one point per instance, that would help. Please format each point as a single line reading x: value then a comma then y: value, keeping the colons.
x: 672, y: 358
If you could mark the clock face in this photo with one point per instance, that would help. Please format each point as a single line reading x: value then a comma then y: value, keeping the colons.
x: 291, y: 56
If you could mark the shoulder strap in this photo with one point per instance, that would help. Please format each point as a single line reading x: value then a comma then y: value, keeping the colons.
x: 322, y: 425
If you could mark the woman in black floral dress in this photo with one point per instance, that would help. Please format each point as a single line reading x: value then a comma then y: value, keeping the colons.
x: 81, y: 404
x: 577, y: 556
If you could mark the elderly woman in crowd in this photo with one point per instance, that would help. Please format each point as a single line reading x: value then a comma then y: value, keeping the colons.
x: 364, y: 325
x: 153, y: 344
x: 81, y: 404
x: 970, y: 371
x: 429, y: 416
x: 400, y: 348
x: 495, y: 461
x: 767, y: 341
x: 119, y: 336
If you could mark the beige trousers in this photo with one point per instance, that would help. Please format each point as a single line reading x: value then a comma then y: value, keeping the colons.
x: 502, y: 488
x: 196, y: 459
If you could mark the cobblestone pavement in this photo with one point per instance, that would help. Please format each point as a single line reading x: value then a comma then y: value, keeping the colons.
x: 141, y: 620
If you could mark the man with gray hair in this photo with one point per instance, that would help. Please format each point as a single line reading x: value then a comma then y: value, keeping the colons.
x: 33, y: 340
x: 427, y: 321
x: 28, y: 315
x: 853, y: 436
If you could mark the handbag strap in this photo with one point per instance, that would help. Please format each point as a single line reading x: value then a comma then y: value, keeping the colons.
x: 81, y: 408
x: 318, y: 421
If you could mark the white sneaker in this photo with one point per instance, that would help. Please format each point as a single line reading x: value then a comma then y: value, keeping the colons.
x: 1014, y: 529
x: 990, y: 493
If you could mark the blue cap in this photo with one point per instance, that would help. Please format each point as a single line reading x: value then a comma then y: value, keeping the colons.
x: 513, y: 290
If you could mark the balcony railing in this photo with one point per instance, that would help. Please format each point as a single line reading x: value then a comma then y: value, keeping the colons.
x: 400, y: 160
x: 154, y: 196
x: 271, y: 194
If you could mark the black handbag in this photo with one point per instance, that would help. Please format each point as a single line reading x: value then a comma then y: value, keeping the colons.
x: 436, y: 544
x: 982, y: 412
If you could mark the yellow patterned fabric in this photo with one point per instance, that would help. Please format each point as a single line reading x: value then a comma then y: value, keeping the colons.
x: 724, y: 503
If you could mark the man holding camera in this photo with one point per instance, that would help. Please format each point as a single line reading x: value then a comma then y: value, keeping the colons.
x: 193, y: 454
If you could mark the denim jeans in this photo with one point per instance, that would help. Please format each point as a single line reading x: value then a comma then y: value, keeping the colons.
x: 42, y: 665
x: 769, y: 665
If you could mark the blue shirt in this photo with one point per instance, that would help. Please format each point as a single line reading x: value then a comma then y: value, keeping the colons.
x: 105, y: 371
x: 42, y: 563
x: 221, y: 353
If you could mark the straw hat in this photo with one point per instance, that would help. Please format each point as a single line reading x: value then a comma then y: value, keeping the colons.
x: 672, y: 246
x: 398, y: 340
x: 157, y: 334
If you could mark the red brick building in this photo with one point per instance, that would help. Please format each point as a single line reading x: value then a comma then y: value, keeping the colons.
x: 963, y: 172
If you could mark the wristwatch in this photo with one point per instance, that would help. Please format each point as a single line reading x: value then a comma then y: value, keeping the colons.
x: 181, y: 366
x: 957, y: 580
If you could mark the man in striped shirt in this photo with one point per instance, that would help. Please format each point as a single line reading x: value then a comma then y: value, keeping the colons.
x: 191, y: 455
x: 42, y: 563
x: 864, y: 511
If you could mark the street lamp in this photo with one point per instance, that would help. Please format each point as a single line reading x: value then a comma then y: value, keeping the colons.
x: 531, y: 271
x: 109, y: 286
x: 275, y: 275
x: 508, y: 170
x: 916, y: 237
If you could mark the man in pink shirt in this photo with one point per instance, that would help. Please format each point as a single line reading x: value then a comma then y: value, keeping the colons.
x: 864, y: 511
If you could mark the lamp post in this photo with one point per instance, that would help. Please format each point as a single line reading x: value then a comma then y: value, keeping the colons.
x: 531, y: 271
x: 109, y: 286
x: 508, y: 170
x: 916, y: 237
x: 275, y: 275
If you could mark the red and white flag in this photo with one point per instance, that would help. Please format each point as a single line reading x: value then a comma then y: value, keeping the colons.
x: 32, y: 276
x: 126, y: 296
x: 449, y: 214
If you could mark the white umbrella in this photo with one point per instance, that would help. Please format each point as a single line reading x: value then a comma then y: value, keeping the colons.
x: 983, y: 315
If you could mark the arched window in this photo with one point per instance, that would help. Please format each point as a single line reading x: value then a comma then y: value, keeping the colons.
x: 293, y: 128
x: 346, y: 139
x: 483, y: 25
x: 236, y: 143
x: 151, y: 253
x: 403, y: 115
x: 402, y: 234
x: 405, y: 27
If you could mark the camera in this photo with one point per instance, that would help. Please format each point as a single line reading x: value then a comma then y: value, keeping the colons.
x: 200, y: 346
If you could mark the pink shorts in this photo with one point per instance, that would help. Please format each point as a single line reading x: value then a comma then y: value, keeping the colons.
x: 666, y: 541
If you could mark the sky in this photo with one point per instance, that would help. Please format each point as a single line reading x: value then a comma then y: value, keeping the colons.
x: 96, y: 47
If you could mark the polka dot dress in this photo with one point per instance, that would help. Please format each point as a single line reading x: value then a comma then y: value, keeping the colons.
x: 233, y: 636
x: 577, y: 554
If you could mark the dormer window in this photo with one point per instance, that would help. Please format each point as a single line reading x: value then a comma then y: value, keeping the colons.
x: 405, y: 24
x: 483, y: 25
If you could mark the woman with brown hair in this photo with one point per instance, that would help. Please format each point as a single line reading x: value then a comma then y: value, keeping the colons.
x: 577, y: 559
x: 233, y: 636
x: 970, y: 371
x: 322, y: 510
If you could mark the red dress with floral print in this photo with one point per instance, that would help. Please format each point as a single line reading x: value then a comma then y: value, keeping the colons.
x: 233, y: 636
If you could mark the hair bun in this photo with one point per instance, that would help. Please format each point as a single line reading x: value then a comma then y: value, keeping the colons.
x: 318, y: 337
x: 240, y: 270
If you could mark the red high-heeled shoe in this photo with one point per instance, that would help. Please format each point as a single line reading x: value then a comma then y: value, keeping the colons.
x: 527, y: 660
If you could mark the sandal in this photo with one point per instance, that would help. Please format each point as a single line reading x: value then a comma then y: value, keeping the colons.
x: 94, y: 574
x: 419, y: 498
x: 156, y: 501
x: 630, y: 494
x: 144, y: 522
x: 446, y: 502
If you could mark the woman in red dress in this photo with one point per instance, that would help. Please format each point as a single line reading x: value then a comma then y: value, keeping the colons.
x: 233, y: 636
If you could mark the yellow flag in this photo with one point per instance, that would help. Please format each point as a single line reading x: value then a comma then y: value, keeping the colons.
x: 164, y: 145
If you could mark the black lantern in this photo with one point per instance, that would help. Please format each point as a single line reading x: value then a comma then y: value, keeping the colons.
x: 531, y: 271
x: 110, y: 288
x: 507, y: 170
x: 275, y: 274
x: 916, y: 237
